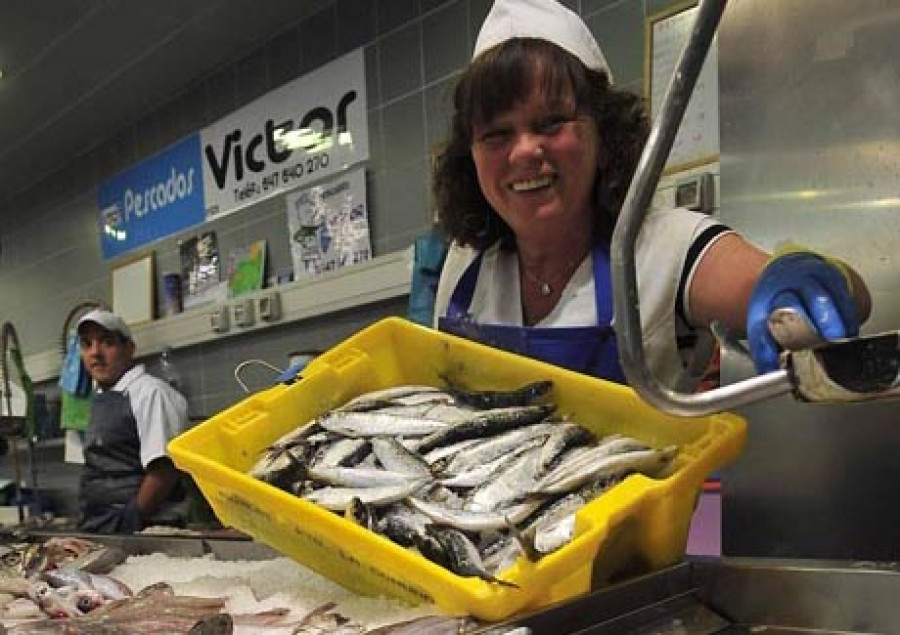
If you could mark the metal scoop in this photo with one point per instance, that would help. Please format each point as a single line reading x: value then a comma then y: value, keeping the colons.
x: 847, y: 370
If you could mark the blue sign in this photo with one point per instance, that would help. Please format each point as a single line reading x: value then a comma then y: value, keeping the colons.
x: 158, y: 197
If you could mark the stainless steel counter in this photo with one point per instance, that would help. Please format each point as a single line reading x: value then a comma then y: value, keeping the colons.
x: 730, y: 596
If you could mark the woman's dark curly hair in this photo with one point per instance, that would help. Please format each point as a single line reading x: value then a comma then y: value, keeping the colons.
x: 493, y: 84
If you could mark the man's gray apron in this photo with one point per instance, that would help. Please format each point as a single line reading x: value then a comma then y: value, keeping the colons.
x: 586, y: 349
x: 112, y: 470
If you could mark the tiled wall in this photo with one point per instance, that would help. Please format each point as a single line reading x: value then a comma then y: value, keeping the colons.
x: 49, y: 249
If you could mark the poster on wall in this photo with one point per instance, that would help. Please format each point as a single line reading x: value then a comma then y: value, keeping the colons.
x: 246, y: 268
x: 329, y: 225
x: 200, y: 271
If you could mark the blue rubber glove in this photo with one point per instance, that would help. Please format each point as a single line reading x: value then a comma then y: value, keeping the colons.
x: 811, y: 284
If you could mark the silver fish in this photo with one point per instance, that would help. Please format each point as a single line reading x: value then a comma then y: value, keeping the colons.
x: 462, y: 555
x: 394, y: 456
x: 487, y: 399
x: 378, y: 398
x: 510, y: 485
x: 337, y: 498
x: 583, y: 459
x: 468, y: 520
x: 486, y: 450
x: 357, y: 476
x: 646, y: 461
x: 480, y: 474
x: 343, y: 453
x: 564, y: 436
x: 374, y: 424
x: 486, y: 423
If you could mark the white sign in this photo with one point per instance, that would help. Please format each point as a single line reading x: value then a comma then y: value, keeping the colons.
x: 329, y: 225
x: 697, y: 140
x: 309, y: 129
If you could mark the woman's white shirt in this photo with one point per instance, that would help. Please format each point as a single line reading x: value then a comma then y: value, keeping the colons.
x: 661, y: 251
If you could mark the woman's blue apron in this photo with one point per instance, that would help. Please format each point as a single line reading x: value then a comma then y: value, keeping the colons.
x: 586, y: 349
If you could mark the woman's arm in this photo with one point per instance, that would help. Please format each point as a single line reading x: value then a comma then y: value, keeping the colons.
x: 726, y: 275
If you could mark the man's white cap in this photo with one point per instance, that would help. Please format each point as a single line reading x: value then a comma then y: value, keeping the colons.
x: 545, y: 20
x: 109, y: 321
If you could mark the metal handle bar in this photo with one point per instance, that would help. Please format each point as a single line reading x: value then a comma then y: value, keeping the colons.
x: 637, y: 203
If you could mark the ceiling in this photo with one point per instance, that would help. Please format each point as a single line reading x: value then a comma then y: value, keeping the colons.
x: 76, y: 71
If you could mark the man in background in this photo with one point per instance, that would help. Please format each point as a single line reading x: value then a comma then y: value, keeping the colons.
x: 128, y: 479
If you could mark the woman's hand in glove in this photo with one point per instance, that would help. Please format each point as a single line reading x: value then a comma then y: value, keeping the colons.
x: 815, y: 287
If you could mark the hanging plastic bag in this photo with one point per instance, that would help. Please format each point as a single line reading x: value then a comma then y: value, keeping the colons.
x: 75, y: 411
x: 74, y: 378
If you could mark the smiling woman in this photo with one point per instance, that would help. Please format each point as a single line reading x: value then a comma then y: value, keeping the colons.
x: 542, y: 151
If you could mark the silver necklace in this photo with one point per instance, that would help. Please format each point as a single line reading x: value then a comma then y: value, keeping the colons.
x: 546, y: 287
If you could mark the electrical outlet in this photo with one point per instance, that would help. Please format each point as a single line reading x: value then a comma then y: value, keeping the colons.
x: 243, y: 312
x: 268, y: 306
x: 218, y: 320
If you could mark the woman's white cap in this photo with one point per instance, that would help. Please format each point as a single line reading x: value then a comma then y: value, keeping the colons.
x: 545, y: 20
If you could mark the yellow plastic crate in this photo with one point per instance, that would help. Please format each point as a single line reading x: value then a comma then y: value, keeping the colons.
x: 640, y: 525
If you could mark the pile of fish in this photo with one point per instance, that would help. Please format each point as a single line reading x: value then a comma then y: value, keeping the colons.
x: 63, y: 586
x: 471, y: 479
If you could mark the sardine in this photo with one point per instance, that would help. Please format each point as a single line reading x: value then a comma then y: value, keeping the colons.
x: 648, y: 462
x: 581, y: 460
x: 487, y: 399
x: 357, y: 476
x: 481, y: 474
x: 509, y: 486
x: 376, y: 399
x: 462, y: 555
x: 564, y: 436
x: 337, y: 498
x: 394, y: 456
x: 282, y: 467
x: 486, y: 423
x: 374, y: 424
x: 402, y: 524
x: 343, y: 453
x: 362, y: 514
x: 486, y: 450
x: 475, y: 521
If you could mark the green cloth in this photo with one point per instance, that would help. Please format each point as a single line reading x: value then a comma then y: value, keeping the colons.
x: 75, y: 412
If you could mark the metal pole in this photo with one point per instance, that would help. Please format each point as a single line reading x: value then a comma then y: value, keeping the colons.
x: 624, y: 272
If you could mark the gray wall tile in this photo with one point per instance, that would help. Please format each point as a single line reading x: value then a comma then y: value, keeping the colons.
x: 430, y: 5
x: 404, y: 138
x: 395, y: 13
x: 373, y: 77
x: 401, y: 207
x: 221, y: 93
x: 251, y: 76
x: 446, y: 34
x: 376, y: 143
x: 192, y: 104
x: 438, y: 112
x: 620, y: 31
x: 283, y: 57
x: 357, y: 23
x: 318, y: 40
x: 400, y: 62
